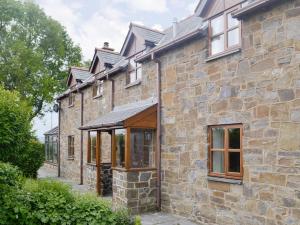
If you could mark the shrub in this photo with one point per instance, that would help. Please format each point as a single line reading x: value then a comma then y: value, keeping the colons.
x: 10, y: 175
x: 33, y: 158
x: 17, y: 145
x: 52, y: 202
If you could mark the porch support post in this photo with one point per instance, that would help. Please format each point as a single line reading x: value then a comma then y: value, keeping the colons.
x: 113, y: 149
x: 127, y: 149
x: 98, y: 162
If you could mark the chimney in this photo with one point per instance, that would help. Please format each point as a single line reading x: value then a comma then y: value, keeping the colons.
x: 106, y: 47
x: 175, y: 24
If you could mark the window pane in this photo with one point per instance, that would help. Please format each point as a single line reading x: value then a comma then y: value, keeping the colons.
x: 217, y: 25
x: 218, y: 161
x: 93, y: 143
x: 120, y: 147
x: 234, y: 162
x: 232, y: 22
x: 218, y: 138
x: 233, y: 37
x: 142, y: 148
x: 217, y: 44
x: 132, y: 76
x: 139, y: 73
x: 234, y: 138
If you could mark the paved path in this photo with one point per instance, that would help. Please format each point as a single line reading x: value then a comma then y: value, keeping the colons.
x: 158, y: 218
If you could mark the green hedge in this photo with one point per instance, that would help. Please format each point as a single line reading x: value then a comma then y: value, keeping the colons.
x: 52, y: 202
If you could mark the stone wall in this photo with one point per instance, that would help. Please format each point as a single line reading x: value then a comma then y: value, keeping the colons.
x: 135, y: 190
x: 145, y: 90
x: 70, y: 121
x: 258, y: 87
x: 105, y: 178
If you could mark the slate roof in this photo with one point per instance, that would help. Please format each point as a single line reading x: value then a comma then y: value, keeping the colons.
x: 80, y: 73
x: 119, y: 115
x: 184, y: 27
x: 107, y: 56
x: 53, y: 131
x: 148, y: 34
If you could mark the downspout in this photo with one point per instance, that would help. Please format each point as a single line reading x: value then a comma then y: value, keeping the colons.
x: 59, y: 124
x: 112, y: 92
x: 158, y: 133
x: 81, y: 138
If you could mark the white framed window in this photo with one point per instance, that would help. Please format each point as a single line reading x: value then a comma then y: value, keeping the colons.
x: 134, y: 72
x: 224, y: 33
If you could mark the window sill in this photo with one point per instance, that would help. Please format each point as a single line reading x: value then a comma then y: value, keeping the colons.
x: 225, y: 180
x: 137, y: 82
x: 98, y: 96
x: 71, y: 158
x: 70, y: 106
x: 223, y: 54
x: 91, y: 164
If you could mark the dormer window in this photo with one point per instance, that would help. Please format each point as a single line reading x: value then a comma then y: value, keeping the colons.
x: 71, y: 99
x: 98, y: 89
x: 134, y: 72
x: 224, y: 33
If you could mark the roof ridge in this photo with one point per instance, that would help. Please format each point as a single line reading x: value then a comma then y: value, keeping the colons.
x: 108, y: 51
x: 80, y: 68
x: 146, y: 28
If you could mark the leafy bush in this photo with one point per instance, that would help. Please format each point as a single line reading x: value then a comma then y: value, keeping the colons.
x: 33, y: 158
x: 10, y: 176
x: 52, y: 202
x: 17, y: 145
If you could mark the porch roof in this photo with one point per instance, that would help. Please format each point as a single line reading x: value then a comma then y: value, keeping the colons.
x: 117, y: 117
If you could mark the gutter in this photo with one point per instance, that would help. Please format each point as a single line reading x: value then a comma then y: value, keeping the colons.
x: 158, y: 132
x: 172, y: 44
x: 257, y: 5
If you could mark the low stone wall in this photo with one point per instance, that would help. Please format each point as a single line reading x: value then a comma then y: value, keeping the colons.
x: 105, y: 177
x: 135, y: 190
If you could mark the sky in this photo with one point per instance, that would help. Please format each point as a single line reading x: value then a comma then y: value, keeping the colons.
x: 90, y: 23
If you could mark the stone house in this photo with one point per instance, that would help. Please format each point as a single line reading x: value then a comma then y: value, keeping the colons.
x: 201, y: 120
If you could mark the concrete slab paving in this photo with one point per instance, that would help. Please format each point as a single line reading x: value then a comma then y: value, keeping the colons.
x: 160, y: 218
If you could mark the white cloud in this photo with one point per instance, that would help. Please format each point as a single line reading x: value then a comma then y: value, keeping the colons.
x: 158, y: 6
x: 107, y: 24
x: 192, y: 6
x: 158, y: 27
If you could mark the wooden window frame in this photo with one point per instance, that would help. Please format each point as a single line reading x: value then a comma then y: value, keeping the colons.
x: 89, y: 155
x: 71, y: 100
x: 128, y: 161
x: 225, y: 33
x: 226, y: 150
x: 71, y: 147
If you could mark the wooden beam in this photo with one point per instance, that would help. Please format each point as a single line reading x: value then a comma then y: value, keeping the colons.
x: 98, y: 162
x: 113, y: 149
x: 127, y: 149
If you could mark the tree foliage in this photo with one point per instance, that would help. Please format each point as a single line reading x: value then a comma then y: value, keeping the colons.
x: 17, y: 144
x: 35, y: 53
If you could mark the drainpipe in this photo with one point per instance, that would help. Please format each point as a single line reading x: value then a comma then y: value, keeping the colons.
x: 81, y: 138
x: 158, y: 133
x: 112, y: 92
x: 58, y: 157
